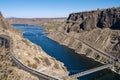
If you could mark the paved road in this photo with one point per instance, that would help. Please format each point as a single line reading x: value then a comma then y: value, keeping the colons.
x: 33, y: 71
x: 50, y: 77
x: 23, y: 66
x: 91, y: 71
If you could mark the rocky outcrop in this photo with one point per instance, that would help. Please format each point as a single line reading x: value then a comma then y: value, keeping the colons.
x: 106, y: 18
x: 99, y: 28
x: 31, y: 55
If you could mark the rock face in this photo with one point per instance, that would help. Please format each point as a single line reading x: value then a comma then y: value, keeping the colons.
x: 107, y: 18
x: 31, y: 55
x: 99, y: 28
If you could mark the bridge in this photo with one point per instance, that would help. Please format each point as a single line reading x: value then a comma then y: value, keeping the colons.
x: 6, y: 41
x: 91, y: 71
x: 100, y: 52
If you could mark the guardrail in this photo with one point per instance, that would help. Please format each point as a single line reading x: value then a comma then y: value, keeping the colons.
x: 31, y: 70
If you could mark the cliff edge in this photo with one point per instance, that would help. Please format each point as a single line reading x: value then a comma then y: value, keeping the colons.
x: 87, y: 21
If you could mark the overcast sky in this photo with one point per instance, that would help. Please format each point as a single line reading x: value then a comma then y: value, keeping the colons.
x: 51, y: 8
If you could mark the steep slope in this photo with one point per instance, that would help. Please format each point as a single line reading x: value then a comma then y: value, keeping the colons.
x: 99, y: 28
x: 106, y: 18
x: 31, y: 55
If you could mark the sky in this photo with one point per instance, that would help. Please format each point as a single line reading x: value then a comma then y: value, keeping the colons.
x: 51, y: 8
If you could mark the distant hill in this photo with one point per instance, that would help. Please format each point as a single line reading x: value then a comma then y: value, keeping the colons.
x: 35, y: 21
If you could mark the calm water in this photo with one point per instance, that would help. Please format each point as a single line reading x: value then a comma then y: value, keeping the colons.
x: 74, y: 62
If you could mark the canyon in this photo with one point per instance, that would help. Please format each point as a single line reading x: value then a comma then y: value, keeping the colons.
x: 87, y: 33
x: 30, y: 54
x: 98, y: 28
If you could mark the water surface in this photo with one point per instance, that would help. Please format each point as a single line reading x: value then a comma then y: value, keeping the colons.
x: 74, y: 62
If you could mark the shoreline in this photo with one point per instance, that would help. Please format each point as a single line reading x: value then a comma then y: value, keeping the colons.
x: 80, y: 53
x: 87, y: 56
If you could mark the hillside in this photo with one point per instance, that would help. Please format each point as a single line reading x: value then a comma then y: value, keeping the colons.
x: 98, y: 28
x: 35, y: 21
x: 45, y: 23
x: 30, y: 54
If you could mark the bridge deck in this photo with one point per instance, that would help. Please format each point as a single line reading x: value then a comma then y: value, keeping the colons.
x: 91, y: 70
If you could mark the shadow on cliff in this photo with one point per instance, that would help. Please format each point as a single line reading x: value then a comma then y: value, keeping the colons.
x: 116, y: 26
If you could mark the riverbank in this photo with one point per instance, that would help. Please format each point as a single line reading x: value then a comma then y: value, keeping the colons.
x: 81, y: 48
x: 31, y: 55
x: 74, y: 62
x: 78, y: 31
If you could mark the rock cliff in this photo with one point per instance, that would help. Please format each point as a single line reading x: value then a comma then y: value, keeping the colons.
x: 98, y: 28
x: 106, y: 18
x: 30, y: 54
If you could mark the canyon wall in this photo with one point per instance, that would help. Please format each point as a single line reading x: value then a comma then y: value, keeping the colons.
x: 87, y: 21
x: 30, y: 54
x: 99, y: 29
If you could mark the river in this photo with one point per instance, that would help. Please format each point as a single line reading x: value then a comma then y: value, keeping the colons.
x: 74, y: 62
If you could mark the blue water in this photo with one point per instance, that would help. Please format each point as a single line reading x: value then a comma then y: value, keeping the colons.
x: 73, y: 61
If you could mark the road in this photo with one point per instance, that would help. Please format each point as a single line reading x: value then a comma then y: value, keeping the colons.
x: 50, y: 77
x: 31, y: 70
x: 23, y: 66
